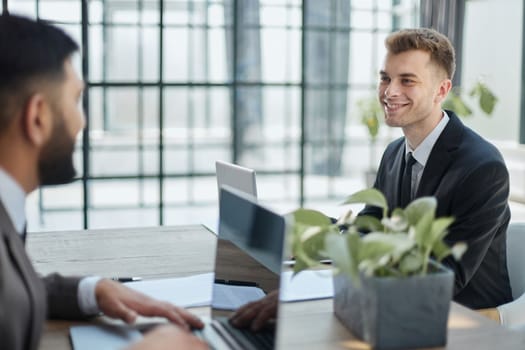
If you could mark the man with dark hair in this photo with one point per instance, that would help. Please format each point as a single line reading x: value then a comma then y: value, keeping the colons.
x: 40, y: 118
x: 443, y: 158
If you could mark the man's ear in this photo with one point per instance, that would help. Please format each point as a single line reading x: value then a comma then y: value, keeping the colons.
x: 37, y: 120
x: 443, y: 90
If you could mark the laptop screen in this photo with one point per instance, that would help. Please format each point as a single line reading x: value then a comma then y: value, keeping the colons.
x: 249, y: 253
x: 238, y: 177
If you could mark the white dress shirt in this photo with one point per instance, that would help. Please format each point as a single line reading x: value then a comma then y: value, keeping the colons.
x: 13, y: 198
x: 422, y: 152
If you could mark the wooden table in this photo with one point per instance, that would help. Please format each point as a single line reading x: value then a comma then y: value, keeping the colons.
x: 186, y: 250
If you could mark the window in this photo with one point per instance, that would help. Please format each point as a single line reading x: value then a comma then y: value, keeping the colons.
x: 173, y: 85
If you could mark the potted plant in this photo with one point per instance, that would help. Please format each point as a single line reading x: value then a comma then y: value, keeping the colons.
x: 480, y: 91
x: 371, y: 112
x: 389, y: 289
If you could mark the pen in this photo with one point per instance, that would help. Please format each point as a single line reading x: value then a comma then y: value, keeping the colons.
x: 126, y: 279
x: 236, y: 283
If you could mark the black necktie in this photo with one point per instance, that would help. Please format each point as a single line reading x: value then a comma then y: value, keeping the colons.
x: 24, y: 234
x: 405, y: 194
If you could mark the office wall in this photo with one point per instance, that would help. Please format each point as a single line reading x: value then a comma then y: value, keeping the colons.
x: 492, y: 50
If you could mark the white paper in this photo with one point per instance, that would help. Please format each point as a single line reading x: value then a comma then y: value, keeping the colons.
x: 191, y: 291
x: 307, y: 285
x: 194, y: 291
x: 228, y: 297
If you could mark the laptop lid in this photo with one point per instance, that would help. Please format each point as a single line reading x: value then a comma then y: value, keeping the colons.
x: 236, y: 176
x: 249, y: 254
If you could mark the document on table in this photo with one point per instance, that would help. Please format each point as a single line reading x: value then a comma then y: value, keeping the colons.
x: 103, y: 337
x: 196, y: 290
x: 307, y: 285
x: 231, y: 297
x: 191, y: 291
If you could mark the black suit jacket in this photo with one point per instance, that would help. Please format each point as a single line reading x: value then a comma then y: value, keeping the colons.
x: 469, y: 178
x: 25, y: 298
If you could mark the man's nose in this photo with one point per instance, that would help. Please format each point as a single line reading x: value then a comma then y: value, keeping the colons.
x: 392, y: 90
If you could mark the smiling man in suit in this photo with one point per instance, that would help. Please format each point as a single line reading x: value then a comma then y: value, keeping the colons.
x: 439, y: 156
x: 40, y: 117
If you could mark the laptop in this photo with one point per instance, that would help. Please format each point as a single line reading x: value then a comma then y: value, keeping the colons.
x: 248, y: 265
x: 236, y: 176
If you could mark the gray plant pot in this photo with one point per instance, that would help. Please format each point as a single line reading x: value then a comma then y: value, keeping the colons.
x: 394, y: 313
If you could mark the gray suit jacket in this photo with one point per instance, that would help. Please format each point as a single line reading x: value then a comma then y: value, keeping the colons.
x: 469, y: 178
x: 25, y: 298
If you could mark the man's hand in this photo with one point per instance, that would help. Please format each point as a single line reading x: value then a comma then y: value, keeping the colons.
x: 118, y: 301
x: 257, y: 313
x: 169, y: 337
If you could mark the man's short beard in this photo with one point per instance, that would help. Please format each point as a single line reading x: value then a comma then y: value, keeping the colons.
x: 55, y: 166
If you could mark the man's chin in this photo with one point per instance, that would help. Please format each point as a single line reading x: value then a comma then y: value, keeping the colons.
x: 392, y: 122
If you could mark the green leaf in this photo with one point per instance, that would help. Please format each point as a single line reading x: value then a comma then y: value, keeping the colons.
x: 487, y: 100
x: 397, y: 222
x: 419, y: 207
x: 372, y: 123
x: 423, y: 231
x: 370, y: 196
x: 375, y: 251
x: 475, y: 91
x: 376, y: 243
x: 308, y: 249
x: 398, y: 212
x: 370, y: 110
x: 299, y: 265
x: 439, y: 228
x: 342, y: 250
x: 410, y: 264
x: 310, y: 217
x: 371, y: 267
x: 378, y: 252
x: 353, y: 244
x: 455, y: 103
x: 369, y: 223
x: 312, y: 242
x: 440, y: 250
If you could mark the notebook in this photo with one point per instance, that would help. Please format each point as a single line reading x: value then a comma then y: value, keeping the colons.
x: 248, y: 265
x: 236, y: 176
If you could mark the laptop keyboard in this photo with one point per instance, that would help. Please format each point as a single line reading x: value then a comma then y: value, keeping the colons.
x: 263, y: 339
x: 247, y: 339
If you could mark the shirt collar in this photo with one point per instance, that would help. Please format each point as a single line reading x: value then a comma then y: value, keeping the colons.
x: 422, y: 152
x: 13, y: 197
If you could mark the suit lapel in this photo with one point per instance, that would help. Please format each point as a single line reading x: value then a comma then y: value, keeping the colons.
x: 441, y: 156
x: 31, y: 281
x: 396, y: 173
